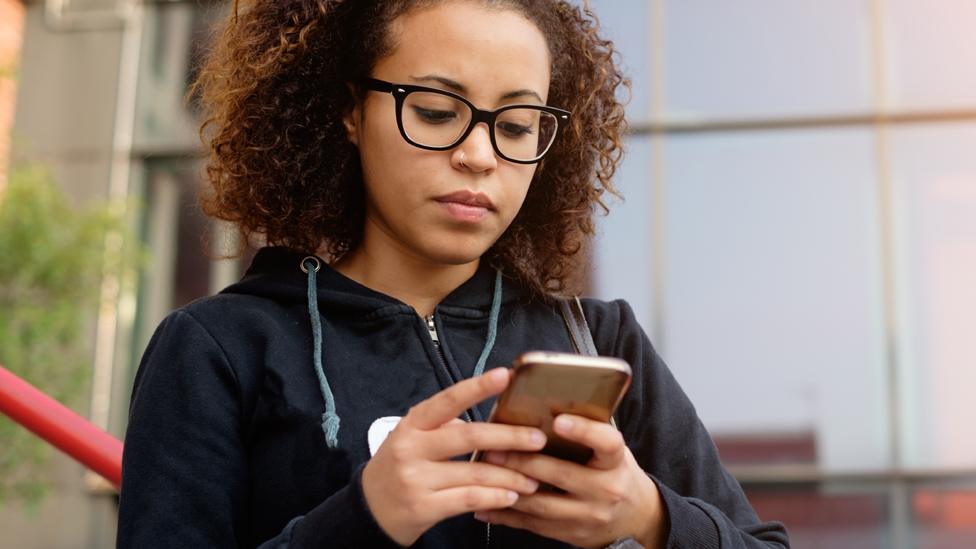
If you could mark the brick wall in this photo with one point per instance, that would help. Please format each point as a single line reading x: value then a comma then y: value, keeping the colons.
x: 11, y: 36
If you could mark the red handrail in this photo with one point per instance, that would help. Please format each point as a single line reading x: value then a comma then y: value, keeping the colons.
x: 60, y: 426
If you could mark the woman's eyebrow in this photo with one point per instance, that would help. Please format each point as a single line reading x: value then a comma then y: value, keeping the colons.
x: 521, y: 93
x: 460, y: 88
x: 456, y: 86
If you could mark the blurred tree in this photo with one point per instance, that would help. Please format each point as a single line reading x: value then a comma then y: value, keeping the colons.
x: 52, y: 257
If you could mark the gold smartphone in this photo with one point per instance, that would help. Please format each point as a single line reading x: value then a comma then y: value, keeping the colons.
x: 546, y: 384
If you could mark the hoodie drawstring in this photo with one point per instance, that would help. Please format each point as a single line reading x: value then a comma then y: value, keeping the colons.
x: 330, y: 419
x: 496, y: 305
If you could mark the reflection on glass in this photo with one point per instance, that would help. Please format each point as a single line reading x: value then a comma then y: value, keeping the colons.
x: 944, y: 517
x: 931, y: 54
x: 628, y: 24
x: 936, y: 192
x: 828, y: 520
x: 767, y: 58
x: 622, y: 253
x: 773, y: 289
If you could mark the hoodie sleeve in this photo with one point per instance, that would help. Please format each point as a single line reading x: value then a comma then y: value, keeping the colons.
x: 184, y: 466
x: 706, y: 508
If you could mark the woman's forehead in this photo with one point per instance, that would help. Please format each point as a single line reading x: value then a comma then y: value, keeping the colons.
x: 489, y: 51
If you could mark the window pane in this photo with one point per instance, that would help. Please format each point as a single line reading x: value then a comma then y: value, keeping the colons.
x: 174, y: 39
x: 192, y: 276
x: 935, y: 171
x: 931, y: 53
x: 773, y: 312
x: 944, y: 516
x: 622, y: 252
x: 628, y: 25
x: 767, y: 58
x: 175, y: 232
x: 818, y: 518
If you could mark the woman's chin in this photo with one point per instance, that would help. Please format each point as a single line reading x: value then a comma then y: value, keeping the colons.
x: 458, y: 252
x: 455, y: 257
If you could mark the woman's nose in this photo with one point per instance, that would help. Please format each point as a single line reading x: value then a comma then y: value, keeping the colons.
x: 478, y: 154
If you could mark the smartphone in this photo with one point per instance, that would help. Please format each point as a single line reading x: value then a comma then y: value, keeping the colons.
x: 545, y: 384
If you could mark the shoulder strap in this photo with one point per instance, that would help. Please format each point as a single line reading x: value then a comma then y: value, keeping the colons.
x: 579, y: 330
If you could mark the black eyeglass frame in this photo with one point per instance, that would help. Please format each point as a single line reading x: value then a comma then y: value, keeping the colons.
x: 401, y: 91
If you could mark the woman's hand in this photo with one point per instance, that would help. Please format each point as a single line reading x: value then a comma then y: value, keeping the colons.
x: 411, y: 484
x: 607, y: 499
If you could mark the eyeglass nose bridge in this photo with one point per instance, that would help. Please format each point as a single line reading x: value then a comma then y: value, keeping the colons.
x: 479, y: 116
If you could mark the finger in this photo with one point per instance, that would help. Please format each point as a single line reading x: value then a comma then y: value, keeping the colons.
x: 552, y: 506
x: 607, y: 442
x: 571, y: 477
x: 455, y: 474
x: 523, y: 521
x: 467, y: 499
x: 451, y: 402
x: 456, y: 440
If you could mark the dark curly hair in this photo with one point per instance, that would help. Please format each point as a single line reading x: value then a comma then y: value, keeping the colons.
x: 276, y: 86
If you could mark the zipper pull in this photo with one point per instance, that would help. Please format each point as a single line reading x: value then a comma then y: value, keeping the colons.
x: 432, y: 328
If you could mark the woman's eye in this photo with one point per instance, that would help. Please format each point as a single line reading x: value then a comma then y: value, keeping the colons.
x: 513, y: 130
x: 434, y: 116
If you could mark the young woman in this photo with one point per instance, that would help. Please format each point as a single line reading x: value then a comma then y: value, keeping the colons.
x: 425, y: 171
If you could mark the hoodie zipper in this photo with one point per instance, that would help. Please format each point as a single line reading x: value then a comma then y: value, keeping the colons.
x: 436, y: 340
x: 432, y: 330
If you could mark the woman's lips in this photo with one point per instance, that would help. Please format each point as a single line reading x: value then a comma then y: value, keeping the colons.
x: 465, y: 212
x: 466, y: 206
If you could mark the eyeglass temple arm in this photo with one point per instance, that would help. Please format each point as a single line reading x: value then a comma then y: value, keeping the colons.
x: 378, y: 85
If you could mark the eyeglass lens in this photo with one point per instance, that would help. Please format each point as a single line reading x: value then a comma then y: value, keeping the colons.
x: 436, y: 120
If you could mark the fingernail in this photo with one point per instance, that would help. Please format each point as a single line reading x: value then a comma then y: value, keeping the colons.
x: 497, y: 374
x: 538, y: 438
x: 483, y: 517
x: 496, y: 458
x: 563, y: 424
x: 511, y: 496
x: 531, y: 485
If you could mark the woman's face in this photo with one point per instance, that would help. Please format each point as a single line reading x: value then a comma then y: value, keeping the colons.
x: 419, y: 202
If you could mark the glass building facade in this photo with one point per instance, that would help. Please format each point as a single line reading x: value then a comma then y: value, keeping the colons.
x: 797, y: 237
x: 801, y: 202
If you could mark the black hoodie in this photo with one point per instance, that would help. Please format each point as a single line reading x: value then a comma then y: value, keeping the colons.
x: 225, y: 446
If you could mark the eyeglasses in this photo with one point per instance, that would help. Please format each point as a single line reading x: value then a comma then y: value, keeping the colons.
x: 438, y: 120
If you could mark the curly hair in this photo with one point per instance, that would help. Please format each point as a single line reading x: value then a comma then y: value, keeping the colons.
x: 276, y: 85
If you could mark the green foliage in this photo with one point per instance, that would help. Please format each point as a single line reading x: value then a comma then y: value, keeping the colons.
x: 53, y: 255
